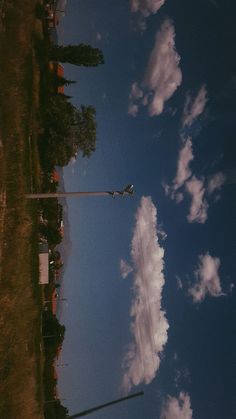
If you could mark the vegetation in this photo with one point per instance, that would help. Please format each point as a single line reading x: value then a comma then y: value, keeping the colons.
x: 20, y: 297
x: 83, y: 55
x: 67, y: 131
x: 39, y: 128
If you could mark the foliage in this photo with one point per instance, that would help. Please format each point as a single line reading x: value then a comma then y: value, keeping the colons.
x: 55, y: 411
x: 67, y: 131
x: 58, y: 81
x: 52, y: 327
x: 20, y: 293
x: 52, y: 214
x: 82, y: 55
x: 50, y: 233
x: 84, y: 130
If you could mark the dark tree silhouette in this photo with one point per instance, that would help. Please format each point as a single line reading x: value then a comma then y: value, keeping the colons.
x: 83, y: 55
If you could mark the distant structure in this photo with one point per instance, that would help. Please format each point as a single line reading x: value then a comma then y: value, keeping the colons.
x: 51, y: 15
x: 43, y: 263
x: 58, y: 69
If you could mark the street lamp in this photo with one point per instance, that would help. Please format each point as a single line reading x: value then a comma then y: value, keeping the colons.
x: 102, y: 406
x: 128, y: 190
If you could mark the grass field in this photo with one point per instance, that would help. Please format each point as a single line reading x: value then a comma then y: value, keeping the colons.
x: 20, y: 295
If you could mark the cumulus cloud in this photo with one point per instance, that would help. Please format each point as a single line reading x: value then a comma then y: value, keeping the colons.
x: 215, y: 182
x: 208, y: 280
x: 125, y: 268
x: 183, y: 171
x: 135, y: 94
x: 149, y: 324
x: 177, y: 408
x: 146, y: 7
x: 199, y: 206
x: 198, y: 189
x: 194, y: 107
x: 162, y: 77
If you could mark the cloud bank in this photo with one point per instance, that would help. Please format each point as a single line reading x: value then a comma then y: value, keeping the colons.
x: 177, y: 408
x: 162, y: 77
x: 194, y: 107
x: 149, y: 324
x: 208, y: 280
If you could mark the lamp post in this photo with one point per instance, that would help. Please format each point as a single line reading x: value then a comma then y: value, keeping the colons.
x: 128, y: 190
x: 94, y: 409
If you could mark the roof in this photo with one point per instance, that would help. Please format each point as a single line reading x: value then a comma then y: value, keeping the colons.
x: 43, y: 268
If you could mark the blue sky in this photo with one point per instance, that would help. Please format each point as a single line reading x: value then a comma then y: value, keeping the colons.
x: 150, y: 278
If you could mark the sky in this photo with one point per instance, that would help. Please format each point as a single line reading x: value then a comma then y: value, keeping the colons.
x: 150, y: 278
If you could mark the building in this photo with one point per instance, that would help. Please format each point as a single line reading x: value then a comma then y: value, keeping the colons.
x: 58, y: 69
x: 51, y: 15
x: 43, y: 263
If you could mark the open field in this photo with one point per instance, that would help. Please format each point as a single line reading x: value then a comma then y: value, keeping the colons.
x: 20, y: 296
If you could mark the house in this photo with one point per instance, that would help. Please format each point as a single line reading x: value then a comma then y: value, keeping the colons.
x: 58, y: 69
x: 51, y: 16
x: 55, y: 177
x: 43, y: 263
x: 60, y: 73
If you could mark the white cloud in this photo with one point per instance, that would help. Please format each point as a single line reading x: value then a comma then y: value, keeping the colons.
x: 177, y: 408
x: 132, y: 109
x: 146, y: 7
x: 163, y: 75
x: 199, y: 205
x: 99, y: 36
x: 194, y: 107
x: 149, y: 325
x: 179, y: 282
x: 136, y: 92
x: 161, y: 233
x: 125, y: 268
x: 183, y: 170
x: 215, y: 182
x: 178, y: 196
x: 208, y: 280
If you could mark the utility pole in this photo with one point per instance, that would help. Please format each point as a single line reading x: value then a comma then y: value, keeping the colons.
x: 128, y: 190
x: 94, y: 409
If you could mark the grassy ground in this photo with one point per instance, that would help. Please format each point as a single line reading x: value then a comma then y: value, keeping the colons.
x: 20, y: 296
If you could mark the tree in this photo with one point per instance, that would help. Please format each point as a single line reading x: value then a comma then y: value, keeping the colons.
x: 51, y: 233
x: 58, y: 81
x: 84, y: 130
x: 83, y: 55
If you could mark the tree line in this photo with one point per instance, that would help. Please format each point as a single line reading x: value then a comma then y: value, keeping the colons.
x: 67, y: 130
